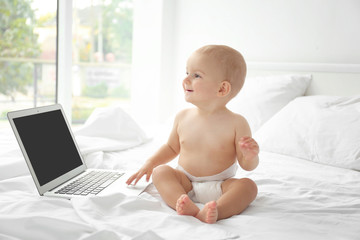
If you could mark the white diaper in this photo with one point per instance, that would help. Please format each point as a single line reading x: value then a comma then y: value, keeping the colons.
x: 208, y: 188
x: 204, y: 192
x: 227, y: 173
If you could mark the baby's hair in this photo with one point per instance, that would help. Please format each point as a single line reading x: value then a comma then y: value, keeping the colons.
x: 231, y: 61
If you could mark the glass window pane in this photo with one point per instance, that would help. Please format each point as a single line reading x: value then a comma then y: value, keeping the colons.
x: 102, y: 49
x: 27, y: 54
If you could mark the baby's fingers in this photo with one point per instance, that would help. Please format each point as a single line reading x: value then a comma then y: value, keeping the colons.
x: 137, y: 176
x: 131, y: 179
x: 248, y: 143
x: 245, y: 142
x: 141, y: 174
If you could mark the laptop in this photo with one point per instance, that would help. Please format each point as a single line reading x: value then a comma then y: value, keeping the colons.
x: 54, y: 159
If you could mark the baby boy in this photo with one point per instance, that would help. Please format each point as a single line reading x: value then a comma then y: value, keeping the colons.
x: 210, y: 141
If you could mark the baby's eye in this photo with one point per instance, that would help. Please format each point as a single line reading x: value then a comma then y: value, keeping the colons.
x: 197, y: 75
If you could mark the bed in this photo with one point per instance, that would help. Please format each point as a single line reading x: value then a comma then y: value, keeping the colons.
x: 306, y: 118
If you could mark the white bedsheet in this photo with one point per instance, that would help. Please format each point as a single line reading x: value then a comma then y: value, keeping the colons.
x: 297, y: 199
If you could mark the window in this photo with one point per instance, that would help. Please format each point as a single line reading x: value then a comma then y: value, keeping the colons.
x: 102, y: 55
x: 27, y: 54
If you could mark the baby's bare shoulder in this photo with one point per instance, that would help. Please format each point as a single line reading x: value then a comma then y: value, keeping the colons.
x: 237, y: 118
x: 240, y: 123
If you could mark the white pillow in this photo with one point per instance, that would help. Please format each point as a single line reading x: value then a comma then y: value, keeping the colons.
x: 262, y: 97
x: 323, y: 129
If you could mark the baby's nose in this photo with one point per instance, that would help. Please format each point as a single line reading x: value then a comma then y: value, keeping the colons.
x: 185, y: 83
x: 187, y: 80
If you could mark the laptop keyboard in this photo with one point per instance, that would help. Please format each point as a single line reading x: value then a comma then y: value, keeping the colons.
x: 91, y: 183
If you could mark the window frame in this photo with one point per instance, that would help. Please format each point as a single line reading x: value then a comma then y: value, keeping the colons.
x: 64, y: 56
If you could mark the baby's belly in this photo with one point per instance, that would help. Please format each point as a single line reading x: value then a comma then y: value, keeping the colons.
x: 201, y: 166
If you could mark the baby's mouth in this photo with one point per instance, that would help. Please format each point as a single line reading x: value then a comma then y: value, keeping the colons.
x: 189, y: 90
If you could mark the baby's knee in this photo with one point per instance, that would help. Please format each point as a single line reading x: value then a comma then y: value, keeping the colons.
x: 161, y: 171
x: 251, y: 186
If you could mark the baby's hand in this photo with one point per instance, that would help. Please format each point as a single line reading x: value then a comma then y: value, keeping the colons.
x: 249, y: 148
x: 144, y: 170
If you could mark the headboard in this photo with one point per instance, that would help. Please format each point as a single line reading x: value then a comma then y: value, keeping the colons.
x: 328, y: 79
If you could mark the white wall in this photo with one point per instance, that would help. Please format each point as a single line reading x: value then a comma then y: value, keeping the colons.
x: 307, y: 31
x: 326, y: 31
x: 153, y: 51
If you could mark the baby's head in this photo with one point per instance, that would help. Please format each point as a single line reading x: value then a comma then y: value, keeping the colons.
x: 230, y: 62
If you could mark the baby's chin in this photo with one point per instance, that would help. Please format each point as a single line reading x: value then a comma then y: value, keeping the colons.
x: 187, y: 98
x: 189, y: 101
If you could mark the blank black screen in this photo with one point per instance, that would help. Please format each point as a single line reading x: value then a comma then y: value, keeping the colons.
x: 49, y: 145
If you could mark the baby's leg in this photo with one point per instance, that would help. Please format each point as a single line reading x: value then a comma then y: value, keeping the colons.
x: 237, y: 196
x: 171, y: 184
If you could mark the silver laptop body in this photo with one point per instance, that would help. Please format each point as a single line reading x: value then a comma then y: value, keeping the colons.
x: 53, y: 157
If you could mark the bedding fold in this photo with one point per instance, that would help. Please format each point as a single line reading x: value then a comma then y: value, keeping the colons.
x: 109, y: 129
x: 132, y: 215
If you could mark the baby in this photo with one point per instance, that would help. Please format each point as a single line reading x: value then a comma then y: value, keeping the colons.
x: 209, y: 139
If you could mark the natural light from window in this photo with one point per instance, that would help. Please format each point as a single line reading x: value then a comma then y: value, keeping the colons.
x: 102, y: 54
x: 27, y: 55
x: 101, y: 51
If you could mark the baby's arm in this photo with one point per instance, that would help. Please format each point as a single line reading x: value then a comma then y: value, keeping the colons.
x: 247, y: 149
x: 162, y: 156
x: 166, y: 153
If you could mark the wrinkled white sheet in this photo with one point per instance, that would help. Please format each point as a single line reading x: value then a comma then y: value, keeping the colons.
x: 109, y: 129
x: 297, y: 199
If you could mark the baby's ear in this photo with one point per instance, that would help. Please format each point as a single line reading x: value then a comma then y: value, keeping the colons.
x: 225, y: 88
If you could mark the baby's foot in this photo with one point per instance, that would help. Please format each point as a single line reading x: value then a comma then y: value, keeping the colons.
x: 209, y: 213
x: 184, y: 206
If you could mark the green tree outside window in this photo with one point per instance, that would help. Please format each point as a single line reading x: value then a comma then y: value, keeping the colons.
x: 18, y: 42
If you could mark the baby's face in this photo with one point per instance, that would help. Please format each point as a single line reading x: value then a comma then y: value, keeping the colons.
x: 204, y: 76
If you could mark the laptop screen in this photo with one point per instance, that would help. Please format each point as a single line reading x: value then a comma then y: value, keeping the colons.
x: 48, y: 144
